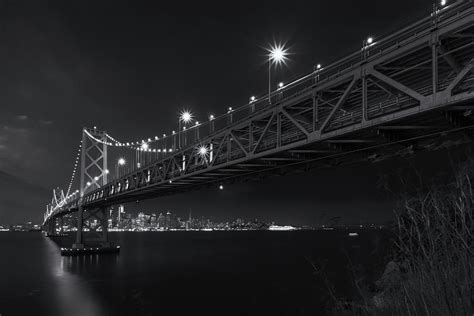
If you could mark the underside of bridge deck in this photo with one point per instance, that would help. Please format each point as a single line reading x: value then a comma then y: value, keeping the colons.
x: 410, y: 91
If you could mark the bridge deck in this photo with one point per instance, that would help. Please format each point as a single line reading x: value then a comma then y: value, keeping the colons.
x: 409, y: 91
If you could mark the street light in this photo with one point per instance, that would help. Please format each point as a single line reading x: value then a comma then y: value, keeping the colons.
x: 202, y: 150
x: 277, y: 55
x: 365, y: 44
x: 184, y: 117
x: 120, y: 162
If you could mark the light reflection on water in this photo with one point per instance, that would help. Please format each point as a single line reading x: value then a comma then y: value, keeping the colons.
x: 73, y: 295
x: 179, y: 273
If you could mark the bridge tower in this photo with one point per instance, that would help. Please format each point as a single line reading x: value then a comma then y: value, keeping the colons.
x: 94, y: 174
x: 57, y: 200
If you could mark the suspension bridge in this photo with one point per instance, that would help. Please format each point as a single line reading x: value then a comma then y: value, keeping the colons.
x: 411, y: 90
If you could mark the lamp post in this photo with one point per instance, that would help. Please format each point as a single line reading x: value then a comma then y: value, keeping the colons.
x: 184, y: 117
x: 277, y: 54
x: 120, y: 162
x: 365, y: 44
x: 252, y: 104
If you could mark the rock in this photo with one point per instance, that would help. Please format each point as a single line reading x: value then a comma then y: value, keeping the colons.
x: 391, y: 277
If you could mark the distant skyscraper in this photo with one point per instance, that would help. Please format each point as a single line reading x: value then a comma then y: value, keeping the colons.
x: 121, y: 209
x: 161, y: 221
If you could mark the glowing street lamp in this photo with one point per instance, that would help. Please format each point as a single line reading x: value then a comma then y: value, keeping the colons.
x: 277, y: 54
x: 185, y: 117
x: 120, y: 162
x: 252, y: 104
x: 211, y: 123
x: 316, y: 71
x: 221, y: 187
x: 203, y: 151
x: 145, y: 146
x: 365, y: 44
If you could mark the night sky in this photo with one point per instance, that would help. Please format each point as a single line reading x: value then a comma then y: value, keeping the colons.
x: 130, y: 67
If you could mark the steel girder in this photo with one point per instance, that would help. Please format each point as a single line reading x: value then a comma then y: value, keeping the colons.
x: 393, y: 92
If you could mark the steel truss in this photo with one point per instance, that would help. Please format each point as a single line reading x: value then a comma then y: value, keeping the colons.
x: 408, y: 92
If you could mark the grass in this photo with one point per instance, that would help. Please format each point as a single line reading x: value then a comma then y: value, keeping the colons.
x: 432, y: 270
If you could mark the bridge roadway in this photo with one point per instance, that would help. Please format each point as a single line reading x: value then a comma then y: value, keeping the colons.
x: 412, y: 90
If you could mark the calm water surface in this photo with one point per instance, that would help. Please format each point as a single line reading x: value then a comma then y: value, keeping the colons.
x: 185, y: 273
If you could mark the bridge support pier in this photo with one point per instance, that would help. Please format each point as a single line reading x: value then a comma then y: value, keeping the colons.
x: 79, y: 234
x: 96, y: 222
x: 51, y: 227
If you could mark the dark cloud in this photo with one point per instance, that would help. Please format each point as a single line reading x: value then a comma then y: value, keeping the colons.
x: 45, y: 122
x: 20, y: 200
